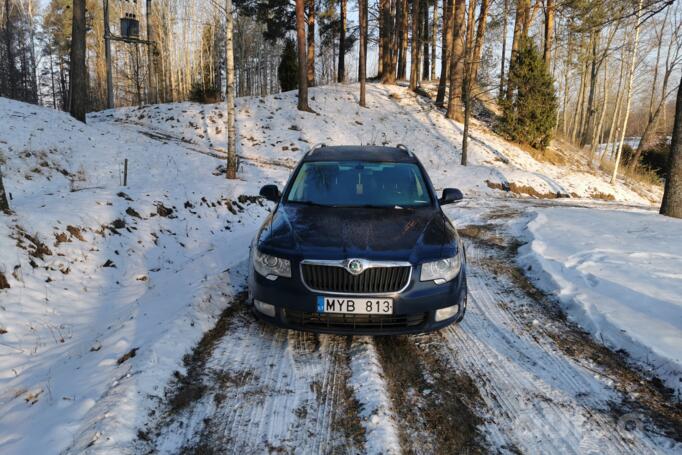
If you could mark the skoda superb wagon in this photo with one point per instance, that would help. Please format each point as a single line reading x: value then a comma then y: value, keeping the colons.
x: 358, y: 244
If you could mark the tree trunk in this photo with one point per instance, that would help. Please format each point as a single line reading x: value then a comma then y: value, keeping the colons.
x: 9, y: 48
x: 78, y: 92
x: 434, y: 36
x: 426, y: 67
x: 631, y: 77
x: 341, y: 76
x: 480, y: 35
x: 388, y: 42
x: 414, y: 64
x: 229, y: 93
x: 505, y: 13
x: 446, y: 50
x: 310, y: 74
x: 518, y: 34
x: 470, y: 32
x: 549, y: 32
x: 404, y: 38
x: 672, y: 194
x: 597, y: 131
x: 362, y: 68
x: 4, y: 203
x: 587, y: 122
x: 457, y: 62
x: 302, y: 57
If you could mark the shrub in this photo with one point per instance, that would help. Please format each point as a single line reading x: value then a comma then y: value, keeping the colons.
x: 287, y: 71
x: 202, y: 94
x: 656, y: 157
x: 529, y: 115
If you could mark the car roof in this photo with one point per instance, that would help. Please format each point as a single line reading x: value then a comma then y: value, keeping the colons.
x: 361, y: 153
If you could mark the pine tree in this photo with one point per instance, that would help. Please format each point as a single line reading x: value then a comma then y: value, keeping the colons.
x: 287, y: 71
x: 529, y: 115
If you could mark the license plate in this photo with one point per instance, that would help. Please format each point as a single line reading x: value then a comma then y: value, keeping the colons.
x: 354, y: 305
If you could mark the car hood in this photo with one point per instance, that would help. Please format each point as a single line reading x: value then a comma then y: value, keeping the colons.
x: 308, y: 232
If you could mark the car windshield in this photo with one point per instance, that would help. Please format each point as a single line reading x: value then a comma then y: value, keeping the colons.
x: 359, y: 184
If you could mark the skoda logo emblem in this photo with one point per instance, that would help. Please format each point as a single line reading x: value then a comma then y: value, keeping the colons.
x: 355, y: 267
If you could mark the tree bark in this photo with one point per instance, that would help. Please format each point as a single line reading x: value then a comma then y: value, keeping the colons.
x: 362, y: 67
x: 341, y: 76
x: 388, y: 43
x: 446, y: 39
x: 78, y: 90
x: 434, y: 36
x: 457, y: 61
x: 302, y: 57
x: 549, y: 32
x: 672, y: 194
x: 480, y: 36
x: 426, y: 64
x: 9, y: 47
x: 505, y: 13
x: 594, y: 68
x: 518, y: 34
x: 230, y: 93
x: 414, y: 64
x: 310, y: 74
x: 404, y: 38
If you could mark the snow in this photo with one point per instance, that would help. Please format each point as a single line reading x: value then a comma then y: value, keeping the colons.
x: 91, y: 333
x: 617, y: 274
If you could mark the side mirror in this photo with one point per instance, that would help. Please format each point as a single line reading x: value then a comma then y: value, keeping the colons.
x: 451, y: 195
x: 271, y: 193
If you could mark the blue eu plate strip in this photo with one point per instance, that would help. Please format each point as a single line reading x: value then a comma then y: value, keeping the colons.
x: 320, y: 304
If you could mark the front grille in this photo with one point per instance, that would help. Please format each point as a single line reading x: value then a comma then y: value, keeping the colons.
x: 353, y: 321
x: 375, y: 280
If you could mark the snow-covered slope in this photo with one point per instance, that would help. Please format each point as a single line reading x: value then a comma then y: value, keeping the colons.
x: 110, y: 285
x: 271, y: 129
x: 619, y: 276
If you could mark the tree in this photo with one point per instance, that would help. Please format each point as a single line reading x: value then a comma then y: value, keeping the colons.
x: 302, y: 57
x: 530, y: 113
x: 457, y: 62
x: 229, y: 94
x: 287, y: 71
x: 362, y: 67
x: 415, y: 48
x: 311, y: 43
x: 549, y: 32
x: 672, y: 194
x: 78, y: 93
x: 445, y: 52
x: 480, y: 35
x: 342, y: 44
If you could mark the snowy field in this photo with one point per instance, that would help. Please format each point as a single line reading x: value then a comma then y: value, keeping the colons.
x: 112, y: 287
x: 619, y: 275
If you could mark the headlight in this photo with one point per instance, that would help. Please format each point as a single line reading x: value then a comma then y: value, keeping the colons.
x: 271, y: 266
x: 442, y: 270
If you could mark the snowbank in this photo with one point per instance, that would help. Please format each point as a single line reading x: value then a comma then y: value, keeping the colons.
x: 618, y: 275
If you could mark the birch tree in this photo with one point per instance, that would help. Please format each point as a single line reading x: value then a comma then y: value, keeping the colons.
x: 631, y: 77
x: 362, y: 68
x: 230, y: 93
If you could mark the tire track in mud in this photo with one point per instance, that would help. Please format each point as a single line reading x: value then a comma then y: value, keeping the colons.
x: 261, y: 389
x: 437, y: 406
x: 539, y: 397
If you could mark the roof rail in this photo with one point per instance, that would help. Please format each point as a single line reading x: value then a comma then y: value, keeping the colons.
x: 319, y: 145
x: 404, y: 147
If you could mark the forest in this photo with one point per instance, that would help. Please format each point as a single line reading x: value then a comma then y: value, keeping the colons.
x: 591, y: 72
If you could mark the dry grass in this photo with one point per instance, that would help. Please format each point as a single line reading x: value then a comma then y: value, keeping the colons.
x: 636, y: 174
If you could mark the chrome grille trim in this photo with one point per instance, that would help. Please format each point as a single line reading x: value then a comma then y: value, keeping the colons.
x: 367, y: 264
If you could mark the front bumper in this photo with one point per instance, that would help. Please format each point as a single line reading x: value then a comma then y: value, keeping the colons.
x: 414, y: 308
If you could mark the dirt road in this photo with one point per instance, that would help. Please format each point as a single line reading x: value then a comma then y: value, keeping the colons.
x: 514, y: 376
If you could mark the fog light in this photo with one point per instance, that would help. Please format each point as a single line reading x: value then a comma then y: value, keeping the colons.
x: 265, y: 308
x: 446, y: 313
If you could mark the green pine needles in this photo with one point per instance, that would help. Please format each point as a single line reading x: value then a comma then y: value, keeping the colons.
x: 529, y: 115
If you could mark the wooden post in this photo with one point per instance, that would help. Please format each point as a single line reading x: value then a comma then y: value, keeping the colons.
x: 125, y: 172
x: 4, y: 204
x: 107, y: 55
